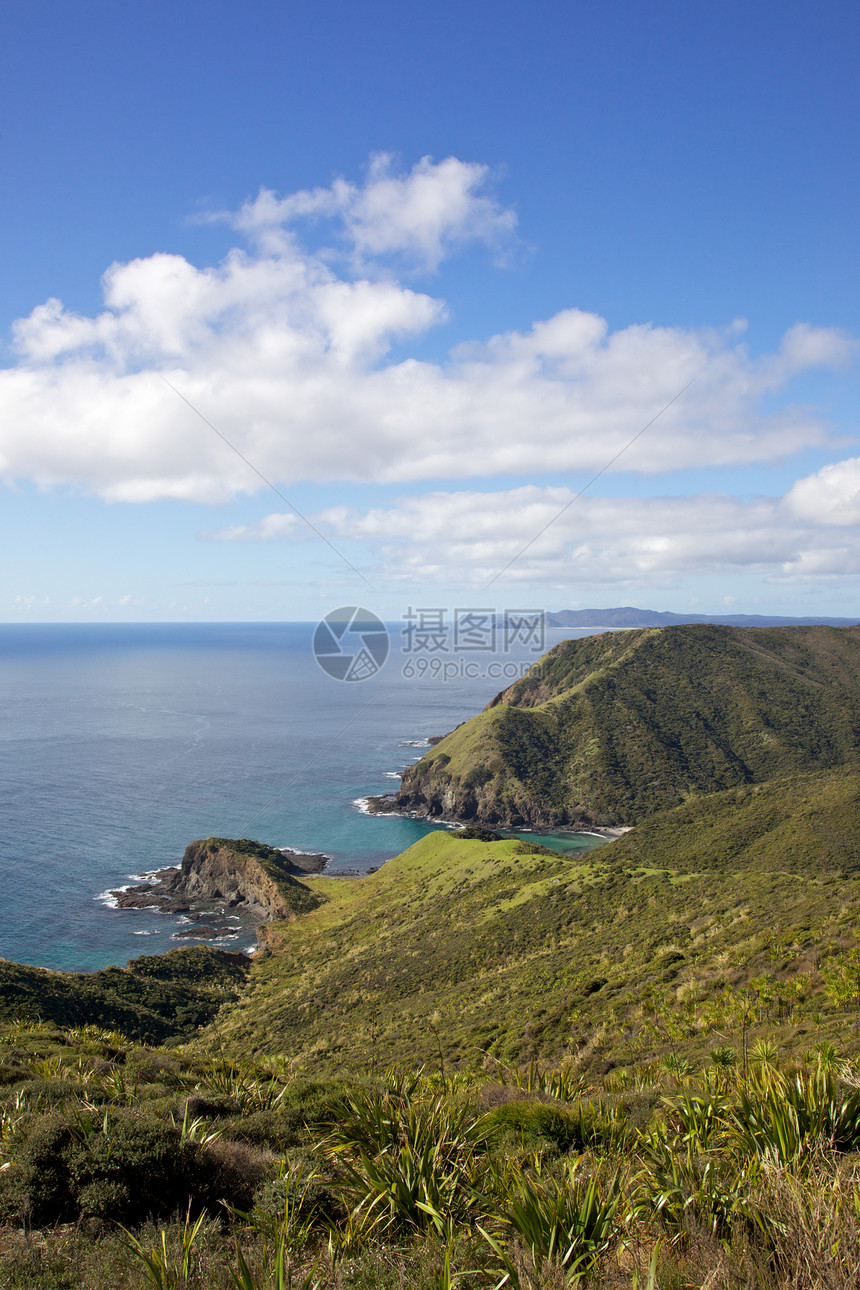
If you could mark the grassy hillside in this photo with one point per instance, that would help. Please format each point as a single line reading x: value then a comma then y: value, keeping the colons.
x: 640, y: 1064
x: 123, y: 1167
x: 641, y: 1067
x: 802, y: 824
x: 463, y: 946
x: 613, y: 728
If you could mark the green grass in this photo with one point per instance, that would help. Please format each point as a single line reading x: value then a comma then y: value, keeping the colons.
x: 490, y: 1063
x: 462, y: 947
x: 520, y: 1177
x: 726, y: 916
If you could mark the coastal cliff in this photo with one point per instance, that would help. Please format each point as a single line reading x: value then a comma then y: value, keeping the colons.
x: 611, y: 729
x: 230, y: 874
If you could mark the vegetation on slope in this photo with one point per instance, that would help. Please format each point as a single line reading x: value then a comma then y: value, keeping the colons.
x: 154, y: 998
x: 700, y: 926
x: 123, y: 1167
x: 613, y: 728
x: 640, y: 1064
x: 802, y: 824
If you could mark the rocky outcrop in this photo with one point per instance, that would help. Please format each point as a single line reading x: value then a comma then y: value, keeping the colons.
x: 221, y: 874
x: 434, y: 798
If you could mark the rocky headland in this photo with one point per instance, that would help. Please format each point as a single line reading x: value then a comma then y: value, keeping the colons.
x: 222, y: 877
x: 611, y: 729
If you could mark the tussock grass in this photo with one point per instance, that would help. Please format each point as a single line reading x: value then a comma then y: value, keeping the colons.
x: 730, y: 1178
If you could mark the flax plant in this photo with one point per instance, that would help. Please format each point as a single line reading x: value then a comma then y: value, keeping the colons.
x: 786, y: 1117
x: 564, y: 1224
x: 282, y: 1238
x: 410, y: 1162
x: 243, y: 1086
x: 165, y: 1271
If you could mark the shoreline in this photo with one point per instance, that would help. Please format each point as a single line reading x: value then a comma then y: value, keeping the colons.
x: 383, y: 804
x: 211, y: 917
x: 204, y: 911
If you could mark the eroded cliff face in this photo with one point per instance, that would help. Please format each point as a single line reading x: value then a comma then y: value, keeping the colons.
x: 431, y: 794
x: 221, y: 874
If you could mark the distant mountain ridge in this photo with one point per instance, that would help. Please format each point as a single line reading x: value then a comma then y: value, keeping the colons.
x: 628, y: 616
x: 610, y: 728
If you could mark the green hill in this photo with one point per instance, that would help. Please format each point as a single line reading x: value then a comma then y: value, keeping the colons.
x: 155, y: 998
x: 652, y: 1047
x: 462, y: 945
x: 613, y: 728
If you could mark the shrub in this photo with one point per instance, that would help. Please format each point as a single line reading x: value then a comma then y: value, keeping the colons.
x: 234, y: 1171
x: 476, y: 777
x: 210, y: 1108
x: 278, y: 1130
x: 11, y: 1074
x: 567, y: 1127
x: 303, y: 1189
x: 142, y: 1067
x: 638, y: 1107
x: 124, y: 1168
x: 50, y: 1092
x: 42, y: 1174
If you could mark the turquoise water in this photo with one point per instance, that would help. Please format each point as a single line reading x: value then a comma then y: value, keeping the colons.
x: 120, y: 744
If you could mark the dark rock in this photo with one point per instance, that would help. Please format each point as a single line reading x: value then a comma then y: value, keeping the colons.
x: 217, y: 874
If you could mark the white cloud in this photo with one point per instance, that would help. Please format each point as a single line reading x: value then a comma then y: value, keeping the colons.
x: 420, y: 217
x: 291, y: 361
x: 267, y: 529
x: 467, y: 537
x: 816, y: 565
x: 473, y: 535
x: 831, y: 497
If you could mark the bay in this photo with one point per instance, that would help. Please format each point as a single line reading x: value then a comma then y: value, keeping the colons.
x: 119, y: 744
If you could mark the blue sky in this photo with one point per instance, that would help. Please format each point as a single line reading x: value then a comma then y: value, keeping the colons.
x: 429, y: 269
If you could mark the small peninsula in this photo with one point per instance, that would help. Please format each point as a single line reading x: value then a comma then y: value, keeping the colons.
x: 222, y: 876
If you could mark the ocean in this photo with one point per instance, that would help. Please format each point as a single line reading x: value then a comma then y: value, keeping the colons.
x: 120, y: 744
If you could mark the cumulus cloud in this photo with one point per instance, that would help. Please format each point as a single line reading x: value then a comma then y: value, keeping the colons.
x: 831, y: 497
x: 596, y: 540
x: 265, y: 530
x: 420, y: 217
x: 467, y: 537
x: 292, y: 361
